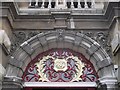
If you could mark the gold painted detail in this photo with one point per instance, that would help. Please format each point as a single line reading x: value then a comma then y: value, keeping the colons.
x: 60, y: 65
x: 79, y: 68
x: 41, y: 68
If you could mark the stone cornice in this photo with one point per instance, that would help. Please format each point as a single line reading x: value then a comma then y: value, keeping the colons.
x: 111, y: 13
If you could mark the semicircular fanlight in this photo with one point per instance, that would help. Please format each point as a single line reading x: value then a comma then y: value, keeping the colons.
x: 60, y: 65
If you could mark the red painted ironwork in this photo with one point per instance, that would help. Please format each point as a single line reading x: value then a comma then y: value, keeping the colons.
x: 88, y: 72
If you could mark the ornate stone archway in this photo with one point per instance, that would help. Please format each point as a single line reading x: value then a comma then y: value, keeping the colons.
x: 77, y: 42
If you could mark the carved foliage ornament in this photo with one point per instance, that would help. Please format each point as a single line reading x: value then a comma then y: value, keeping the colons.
x: 60, y: 65
x: 102, y: 37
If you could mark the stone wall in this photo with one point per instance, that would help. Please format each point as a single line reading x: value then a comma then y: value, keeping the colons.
x: 5, y: 34
x: 115, y: 31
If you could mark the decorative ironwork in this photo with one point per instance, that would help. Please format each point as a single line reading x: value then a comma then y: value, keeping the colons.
x: 60, y: 65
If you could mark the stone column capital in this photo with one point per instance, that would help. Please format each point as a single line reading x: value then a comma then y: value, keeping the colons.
x: 109, y: 82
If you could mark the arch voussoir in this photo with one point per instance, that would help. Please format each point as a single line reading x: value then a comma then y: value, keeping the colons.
x: 61, y: 39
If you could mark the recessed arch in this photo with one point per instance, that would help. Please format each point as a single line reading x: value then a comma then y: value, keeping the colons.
x: 60, y: 39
